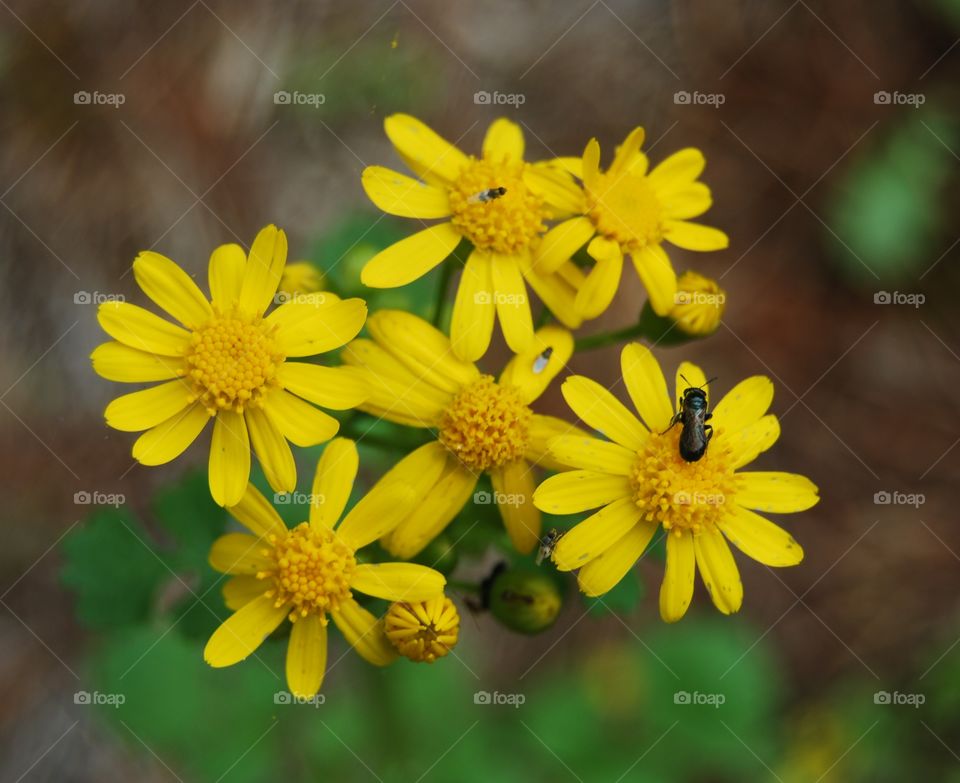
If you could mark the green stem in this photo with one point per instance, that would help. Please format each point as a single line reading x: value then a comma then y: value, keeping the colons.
x: 446, y: 271
x: 459, y: 585
x: 604, y: 339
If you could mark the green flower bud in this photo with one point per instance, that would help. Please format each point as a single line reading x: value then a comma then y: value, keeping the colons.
x: 524, y: 600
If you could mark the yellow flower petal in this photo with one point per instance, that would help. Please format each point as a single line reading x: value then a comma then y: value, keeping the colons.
x: 572, y: 165
x: 426, y: 153
x: 144, y: 409
x: 596, y: 294
x: 306, y: 656
x: 239, y: 553
x: 597, y: 406
x: 398, y: 581
x: 627, y: 151
x: 169, y: 440
x: 396, y: 394
x: 422, y: 348
x: 774, y: 492
x: 597, y: 533
x: 261, y: 275
x: 590, y: 167
x: 118, y: 362
x: 410, y: 258
x: 473, y: 310
x: 238, y: 591
x: 556, y: 188
x: 513, y: 305
x: 306, y: 329
x: 514, y: 484
x: 142, y: 329
x: 225, y: 275
x: 243, y: 632
x: 419, y: 471
x: 689, y: 201
x: 171, y: 288
x: 272, y: 450
x: 333, y: 482
x: 299, y: 421
x: 682, y: 166
x: 541, y: 431
x: 561, y: 242
x: 593, y: 454
x: 558, y: 291
x: 603, y: 573
x: 398, y: 194
x: 364, y: 632
x: 438, y: 507
x: 503, y: 141
x: 693, y: 236
x: 257, y: 514
x: 657, y: 275
x: 229, y: 465
x: 676, y: 590
x: 336, y: 388
x: 377, y: 513
x: 530, y: 372
x: 580, y: 490
x: 647, y: 386
x: 744, y: 404
x: 759, y: 538
x: 748, y: 443
x: 718, y: 570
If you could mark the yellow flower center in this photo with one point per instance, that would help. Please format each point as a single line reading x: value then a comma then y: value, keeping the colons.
x: 486, y: 425
x: 313, y: 570
x: 507, y: 223
x: 230, y: 361
x: 423, y: 631
x: 683, y: 496
x: 625, y: 207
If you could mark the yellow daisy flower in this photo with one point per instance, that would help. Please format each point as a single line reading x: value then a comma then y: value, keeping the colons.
x: 310, y: 572
x: 423, y: 631
x: 639, y: 481
x: 630, y: 211
x: 500, y: 203
x: 483, y: 425
x: 228, y: 361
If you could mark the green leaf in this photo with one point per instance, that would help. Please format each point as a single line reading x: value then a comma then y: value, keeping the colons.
x: 112, y: 570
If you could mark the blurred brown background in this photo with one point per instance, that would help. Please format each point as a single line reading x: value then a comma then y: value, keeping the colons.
x: 198, y: 154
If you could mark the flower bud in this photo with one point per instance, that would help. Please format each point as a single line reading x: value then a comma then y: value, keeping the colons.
x: 698, y: 304
x: 524, y: 600
x: 423, y: 630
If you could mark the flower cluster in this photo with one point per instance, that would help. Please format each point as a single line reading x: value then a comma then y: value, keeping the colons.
x: 561, y: 228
